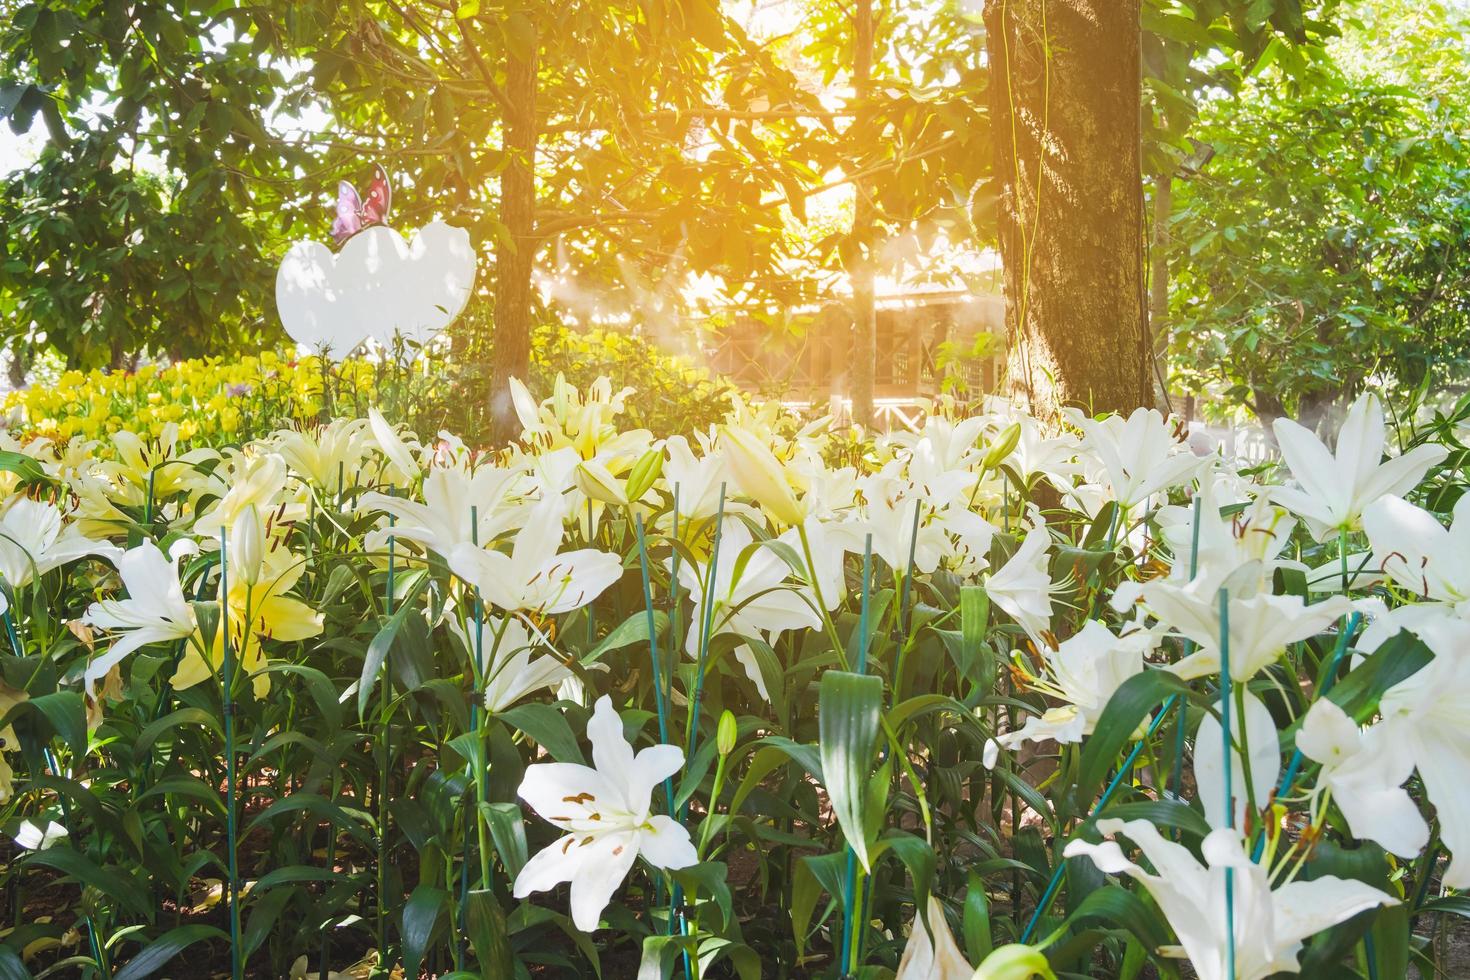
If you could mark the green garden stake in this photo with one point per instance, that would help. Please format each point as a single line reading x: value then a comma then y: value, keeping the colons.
x: 901, y: 628
x: 851, y: 951
x: 704, y: 636
x: 1229, y: 803
x: 653, y: 655
x: 1054, y: 884
x: 692, y: 731
x: 657, y: 669
x: 227, y: 686
x: 1176, y: 777
x: 479, y: 779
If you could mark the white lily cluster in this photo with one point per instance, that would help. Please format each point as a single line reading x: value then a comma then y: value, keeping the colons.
x: 760, y: 523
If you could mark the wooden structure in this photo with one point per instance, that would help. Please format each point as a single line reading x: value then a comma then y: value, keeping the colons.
x: 911, y: 329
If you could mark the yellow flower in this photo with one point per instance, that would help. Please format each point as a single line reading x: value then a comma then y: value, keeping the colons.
x: 261, y: 571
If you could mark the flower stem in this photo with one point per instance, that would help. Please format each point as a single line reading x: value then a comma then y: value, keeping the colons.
x: 1229, y: 802
x: 227, y: 687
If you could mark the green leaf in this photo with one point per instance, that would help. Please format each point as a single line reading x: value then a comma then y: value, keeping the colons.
x: 632, y: 630
x: 323, y: 692
x: 178, y: 718
x: 485, y: 922
x: 849, y: 710
x: 295, y: 874
x: 117, y: 885
x: 265, y: 910
x: 917, y: 856
x: 421, y: 914
x: 508, y: 831
x: 12, y: 967
x: 377, y: 652
x: 804, y: 755
x: 26, y: 467
x: 159, y: 953
x: 805, y: 890
x: 1115, y: 905
x: 181, y: 784
x: 1161, y: 813
x: 1126, y: 709
x: 67, y: 713
x: 708, y: 878
x: 548, y: 726
x: 977, y: 919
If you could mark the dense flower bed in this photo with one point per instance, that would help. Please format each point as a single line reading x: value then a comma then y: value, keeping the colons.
x: 223, y: 400
x: 758, y: 700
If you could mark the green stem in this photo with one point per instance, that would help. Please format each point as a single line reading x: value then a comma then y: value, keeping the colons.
x: 811, y: 569
x: 227, y: 687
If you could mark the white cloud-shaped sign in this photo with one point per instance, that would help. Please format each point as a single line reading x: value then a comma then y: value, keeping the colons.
x: 377, y: 287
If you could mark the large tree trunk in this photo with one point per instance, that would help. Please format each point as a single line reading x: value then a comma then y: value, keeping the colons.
x: 516, y: 252
x: 1158, y: 279
x: 1065, y: 106
x: 864, y: 318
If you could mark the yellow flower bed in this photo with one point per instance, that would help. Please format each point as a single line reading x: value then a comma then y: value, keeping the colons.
x: 217, y: 400
x: 205, y: 398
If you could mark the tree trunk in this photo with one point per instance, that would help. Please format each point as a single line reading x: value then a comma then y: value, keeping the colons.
x: 1158, y: 280
x: 1065, y: 109
x: 864, y: 318
x: 516, y: 251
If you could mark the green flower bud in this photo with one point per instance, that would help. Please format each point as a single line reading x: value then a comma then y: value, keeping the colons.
x: 1003, y: 445
x: 1015, y: 961
x: 728, y: 732
x: 648, y: 468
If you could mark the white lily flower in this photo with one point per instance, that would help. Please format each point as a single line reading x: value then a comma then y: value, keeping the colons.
x: 1260, y: 738
x: 535, y: 576
x: 34, y: 837
x: 403, y: 465
x: 1270, y: 926
x: 605, y: 812
x: 155, y: 611
x: 513, y: 669
x: 250, y: 479
x: 1141, y: 454
x: 1261, y: 625
x: 1022, y: 586
x: 931, y: 952
x: 459, y: 507
x: 329, y: 456
x: 940, y: 480
x: 1335, y: 488
x: 1037, y: 454
x: 1419, y: 553
x: 831, y: 542
x: 1426, y: 718
x: 33, y: 541
x: 698, y: 478
x: 944, y: 443
x: 761, y: 601
x: 893, y: 504
x: 1256, y: 534
x: 1083, y: 671
x: 1365, y: 772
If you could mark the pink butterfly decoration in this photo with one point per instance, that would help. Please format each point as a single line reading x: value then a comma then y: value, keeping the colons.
x: 354, y: 214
